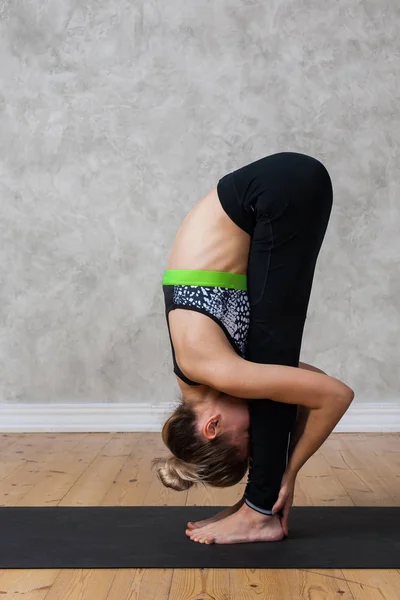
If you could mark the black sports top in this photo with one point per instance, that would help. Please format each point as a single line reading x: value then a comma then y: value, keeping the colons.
x: 227, y: 306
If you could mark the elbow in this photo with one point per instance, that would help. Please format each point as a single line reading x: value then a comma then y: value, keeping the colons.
x: 341, y: 391
x: 347, y: 395
x: 339, y: 394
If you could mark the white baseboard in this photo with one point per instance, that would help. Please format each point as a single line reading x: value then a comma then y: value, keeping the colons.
x: 98, y: 417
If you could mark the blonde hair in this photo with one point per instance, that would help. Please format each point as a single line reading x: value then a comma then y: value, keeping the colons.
x: 195, y: 459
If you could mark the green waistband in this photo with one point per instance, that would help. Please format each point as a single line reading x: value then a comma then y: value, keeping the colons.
x: 236, y: 281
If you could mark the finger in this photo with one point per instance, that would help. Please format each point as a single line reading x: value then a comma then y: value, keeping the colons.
x: 280, y: 516
x: 285, y: 527
x: 279, y: 503
x: 277, y: 507
x: 285, y: 520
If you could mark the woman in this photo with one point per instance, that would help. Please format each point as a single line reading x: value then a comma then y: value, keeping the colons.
x: 237, y: 287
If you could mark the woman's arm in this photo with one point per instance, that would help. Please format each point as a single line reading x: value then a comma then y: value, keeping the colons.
x: 303, y: 412
x: 217, y: 365
x: 310, y: 368
x: 318, y: 425
x: 302, y: 417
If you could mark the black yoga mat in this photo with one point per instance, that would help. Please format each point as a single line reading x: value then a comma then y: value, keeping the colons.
x: 154, y: 537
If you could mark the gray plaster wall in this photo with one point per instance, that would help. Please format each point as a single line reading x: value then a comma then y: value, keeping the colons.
x: 116, y: 117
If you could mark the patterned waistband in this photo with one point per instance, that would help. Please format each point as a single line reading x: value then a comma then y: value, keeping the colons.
x: 236, y: 281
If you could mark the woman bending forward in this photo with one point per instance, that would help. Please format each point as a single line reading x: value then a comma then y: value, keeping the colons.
x: 237, y: 287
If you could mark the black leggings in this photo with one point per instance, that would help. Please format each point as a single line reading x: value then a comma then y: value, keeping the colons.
x: 284, y: 202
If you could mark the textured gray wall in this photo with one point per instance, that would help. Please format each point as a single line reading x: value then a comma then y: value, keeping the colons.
x: 116, y: 118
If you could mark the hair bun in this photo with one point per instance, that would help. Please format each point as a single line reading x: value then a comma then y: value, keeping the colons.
x: 176, y: 474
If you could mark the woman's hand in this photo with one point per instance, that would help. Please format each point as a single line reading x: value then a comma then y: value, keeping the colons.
x: 285, y: 499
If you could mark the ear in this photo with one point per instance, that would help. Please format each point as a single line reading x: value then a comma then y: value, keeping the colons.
x: 210, y: 429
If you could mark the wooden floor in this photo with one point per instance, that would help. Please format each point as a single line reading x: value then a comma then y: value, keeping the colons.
x: 101, y: 469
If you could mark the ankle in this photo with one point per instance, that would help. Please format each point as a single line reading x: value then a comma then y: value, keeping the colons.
x: 256, y: 516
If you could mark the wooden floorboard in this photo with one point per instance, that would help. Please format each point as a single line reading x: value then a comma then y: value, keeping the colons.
x: 100, y: 469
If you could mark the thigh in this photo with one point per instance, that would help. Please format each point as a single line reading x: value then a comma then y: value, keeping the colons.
x: 284, y: 249
x: 286, y: 240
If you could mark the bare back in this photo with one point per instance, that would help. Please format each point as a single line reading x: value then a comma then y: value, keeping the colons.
x: 209, y: 240
x: 206, y: 240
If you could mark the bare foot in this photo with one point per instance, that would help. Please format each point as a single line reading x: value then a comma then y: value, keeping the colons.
x: 245, y: 525
x: 221, y: 515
